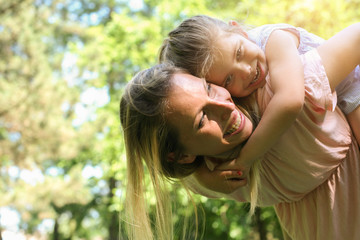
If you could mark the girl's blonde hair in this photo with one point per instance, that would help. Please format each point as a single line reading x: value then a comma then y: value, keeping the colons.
x: 190, y: 45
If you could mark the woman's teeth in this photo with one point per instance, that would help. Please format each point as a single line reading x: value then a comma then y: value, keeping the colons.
x: 235, y: 126
x: 256, y: 76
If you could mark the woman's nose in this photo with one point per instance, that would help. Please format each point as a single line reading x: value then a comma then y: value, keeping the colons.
x: 222, y: 108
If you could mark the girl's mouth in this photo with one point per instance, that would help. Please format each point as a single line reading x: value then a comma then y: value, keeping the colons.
x: 258, y: 78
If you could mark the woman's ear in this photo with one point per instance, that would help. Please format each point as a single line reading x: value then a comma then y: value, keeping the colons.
x: 183, y: 159
x: 187, y: 158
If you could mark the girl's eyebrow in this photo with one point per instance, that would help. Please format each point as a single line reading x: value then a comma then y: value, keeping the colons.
x: 233, y: 59
x: 235, y: 51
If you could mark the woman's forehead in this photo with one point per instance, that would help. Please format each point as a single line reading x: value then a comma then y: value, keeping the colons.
x: 186, y: 98
x: 188, y: 82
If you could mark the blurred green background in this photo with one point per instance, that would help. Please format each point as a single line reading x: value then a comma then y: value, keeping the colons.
x: 63, y: 64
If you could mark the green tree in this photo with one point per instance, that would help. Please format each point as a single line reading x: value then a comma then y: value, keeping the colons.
x: 37, y: 113
x: 54, y: 54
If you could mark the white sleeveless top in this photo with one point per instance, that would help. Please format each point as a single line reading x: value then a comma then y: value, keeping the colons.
x: 347, y: 91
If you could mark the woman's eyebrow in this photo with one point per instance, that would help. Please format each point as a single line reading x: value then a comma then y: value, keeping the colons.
x: 195, y: 122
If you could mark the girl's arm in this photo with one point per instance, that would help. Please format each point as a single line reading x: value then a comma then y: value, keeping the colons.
x: 287, y: 81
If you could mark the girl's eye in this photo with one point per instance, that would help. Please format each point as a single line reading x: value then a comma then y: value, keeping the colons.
x: 228, y: 81
x: 238, y: 54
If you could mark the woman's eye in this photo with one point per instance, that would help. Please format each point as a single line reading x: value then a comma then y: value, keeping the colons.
x: 202, y: 120
x: 209, y: 90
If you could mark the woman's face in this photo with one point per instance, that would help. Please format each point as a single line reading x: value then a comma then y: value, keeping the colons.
x: 208, y: 121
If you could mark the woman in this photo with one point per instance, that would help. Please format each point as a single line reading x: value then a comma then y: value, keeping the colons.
x: 170, y: 128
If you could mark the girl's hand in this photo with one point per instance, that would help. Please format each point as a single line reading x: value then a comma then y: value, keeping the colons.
x: 223, y: 181
x: 239, y: 164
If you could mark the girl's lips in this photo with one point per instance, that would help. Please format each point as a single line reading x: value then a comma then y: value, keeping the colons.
x: 259, y: 77
x: 237, y: 124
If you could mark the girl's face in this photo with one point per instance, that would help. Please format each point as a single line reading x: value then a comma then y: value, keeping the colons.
x: 208, y: 121
x: 239, y: 65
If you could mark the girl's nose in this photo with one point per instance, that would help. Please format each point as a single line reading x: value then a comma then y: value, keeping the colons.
x: 244, y: 70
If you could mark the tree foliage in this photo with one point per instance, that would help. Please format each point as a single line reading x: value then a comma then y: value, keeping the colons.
x: 61, y: 145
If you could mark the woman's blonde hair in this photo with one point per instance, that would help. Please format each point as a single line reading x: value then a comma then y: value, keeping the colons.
x: 149, y: 138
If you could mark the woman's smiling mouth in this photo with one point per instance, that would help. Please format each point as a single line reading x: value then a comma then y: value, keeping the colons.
x: 237, y: 124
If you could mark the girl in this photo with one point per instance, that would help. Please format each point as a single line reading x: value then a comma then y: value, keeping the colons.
x: 227, y: 56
